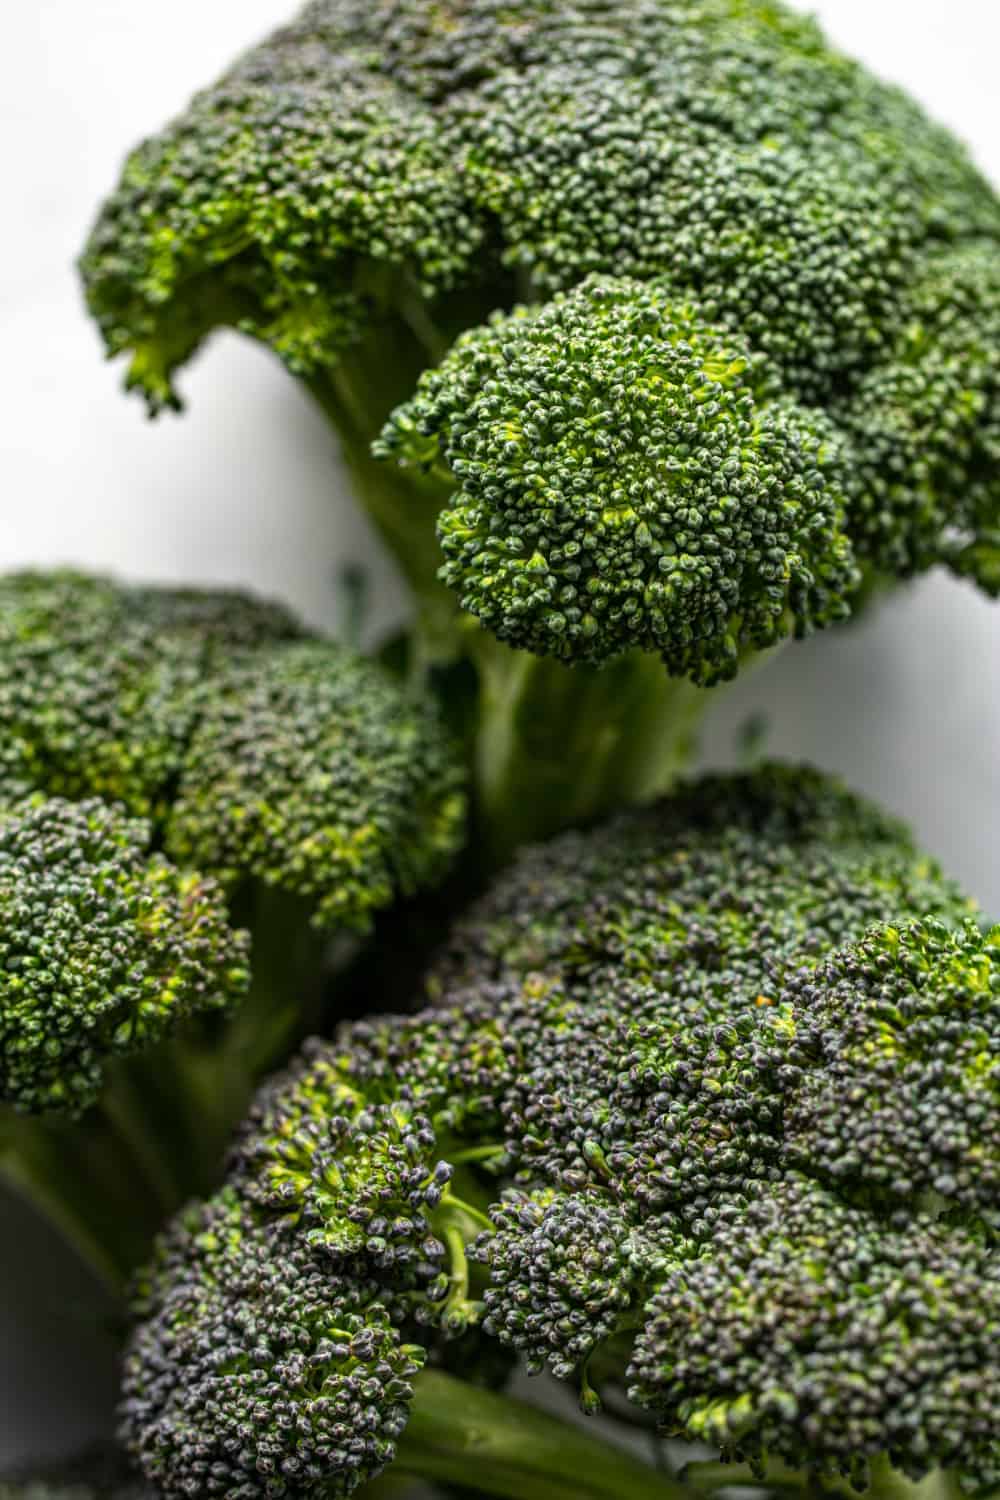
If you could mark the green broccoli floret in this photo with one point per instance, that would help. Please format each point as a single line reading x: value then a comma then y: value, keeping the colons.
x: 105, y: 949
x: 897, y: 1044
x: 258, y: 754
x: 100, y: 684
x: 312, y: 771
x: 801, y: 1327
x: 372, y: 180
x: 625, y: 482
x: 629, y: 1141
x: 248, y: 774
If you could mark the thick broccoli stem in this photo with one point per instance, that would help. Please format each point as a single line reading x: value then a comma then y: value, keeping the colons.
x: 552, y: 745
x: 459, y: 1433
x: 558, y: 745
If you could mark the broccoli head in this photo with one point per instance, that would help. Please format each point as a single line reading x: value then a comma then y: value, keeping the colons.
x: 105, y: 948
x: 99, y: 684
x: 623, y: 485
x: 647, y: 1135
x: 311, y: 770
x: 721, y: 307
x: 258, y: 752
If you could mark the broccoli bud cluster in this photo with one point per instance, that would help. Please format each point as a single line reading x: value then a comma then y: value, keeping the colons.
x: 105, y: 948
x: 623, y: 484
x: 644, y: 1136
x: 257, y: 752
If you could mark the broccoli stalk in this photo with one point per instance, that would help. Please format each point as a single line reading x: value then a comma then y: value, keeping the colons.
x: 625, y: 729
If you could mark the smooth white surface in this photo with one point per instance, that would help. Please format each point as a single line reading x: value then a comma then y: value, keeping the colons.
x: 245, y: 489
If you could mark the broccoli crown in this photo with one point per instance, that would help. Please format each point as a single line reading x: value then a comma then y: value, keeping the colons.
x: 311, y: 770
x: 418, y: 164
x: 621, y: 485
x: 628, y: 1140
x: 801, y: 1321
x: 99, y: 684
x: 285, y: 1375
x: 255, y: 752
x: 104, y: 949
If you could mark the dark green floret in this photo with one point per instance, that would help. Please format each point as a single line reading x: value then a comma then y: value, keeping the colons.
x: 641, y: 1138
x: 105, y: 949
x: 100, y: 683
x: 803, y: 1328
x: 258, y: 754
x: 296, y: 1371
x: 893, y: 1076
x: 622, y: 482
x: 311, y: 770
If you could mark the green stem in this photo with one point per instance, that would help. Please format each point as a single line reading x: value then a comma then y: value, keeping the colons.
x: 458, y: 1433
x: 87, y: 1181
x: 559, y: 745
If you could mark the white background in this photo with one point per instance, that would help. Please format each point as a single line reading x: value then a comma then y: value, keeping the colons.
x: 245, y: 489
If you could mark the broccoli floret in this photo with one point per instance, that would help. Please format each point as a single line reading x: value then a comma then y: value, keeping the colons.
x: 372, y: 180
x: 312, y: 771
x: 924, y: 426
x: 257, y: 754
x: 249, y: 775
x: 805, y: 1328
x: 893, y: 1077
x: 629, y: 1140
x: 105, y: 949
x: 295, y: 1370
x: 623, y: 483
x: 99, y: 684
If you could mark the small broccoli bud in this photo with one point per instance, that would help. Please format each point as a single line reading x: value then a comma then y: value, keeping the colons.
x: 283, y: 1376
x: 807, y: 1329
x: 892, y: 1051
x: 620, y: 484
x: 310, y: 770
x: 100, y: 684
x: 105, y: 949
x: 565, y: 1273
